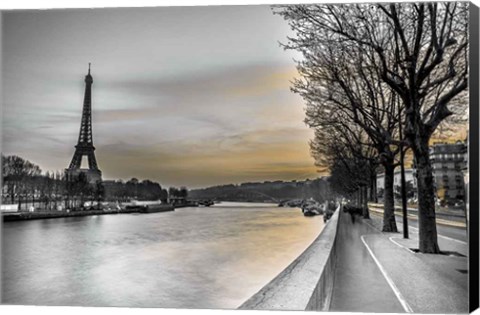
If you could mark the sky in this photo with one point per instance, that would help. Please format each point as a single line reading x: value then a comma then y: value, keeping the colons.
x: 193, y: 96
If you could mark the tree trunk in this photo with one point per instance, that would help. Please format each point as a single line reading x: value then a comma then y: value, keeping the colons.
x: 366, y: 213
x: 426, y: 200
x: 389, y: 224
x: 359, y: 198
x: 358, y: 202
x: 12, y: 194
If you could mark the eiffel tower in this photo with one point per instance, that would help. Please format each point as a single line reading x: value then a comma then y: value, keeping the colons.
x: 85, y: 146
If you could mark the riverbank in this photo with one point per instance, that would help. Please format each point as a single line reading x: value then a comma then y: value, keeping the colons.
x: 307, y: 283
x: 20, y: 216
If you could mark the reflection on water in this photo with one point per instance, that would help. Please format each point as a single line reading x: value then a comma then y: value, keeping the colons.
x: 213, y: 257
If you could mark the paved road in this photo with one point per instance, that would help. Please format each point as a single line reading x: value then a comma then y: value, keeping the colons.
x: 359, y: 286
x: 457, y: 215
x: 457, y: 233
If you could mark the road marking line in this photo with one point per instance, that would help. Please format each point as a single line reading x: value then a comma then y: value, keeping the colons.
x: 443, y: 236
x: 444, y: 222
x: 398, y: 244
x: 439, y: 235
x: 392, y: 285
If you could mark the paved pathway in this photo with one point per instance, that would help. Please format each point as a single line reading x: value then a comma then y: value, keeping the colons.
x: 376, y: 272
x: 359, y: 285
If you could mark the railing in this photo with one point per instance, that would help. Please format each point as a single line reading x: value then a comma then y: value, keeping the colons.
x: 307, y: 283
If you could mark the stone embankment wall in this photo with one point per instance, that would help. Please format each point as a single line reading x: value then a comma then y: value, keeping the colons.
x: 20, y: 216
x: 307, y: 283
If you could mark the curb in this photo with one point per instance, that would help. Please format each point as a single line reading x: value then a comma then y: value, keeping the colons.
x: 439, y: 221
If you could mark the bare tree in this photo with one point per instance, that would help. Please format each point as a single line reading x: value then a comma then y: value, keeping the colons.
x: 341, y: 87
x: 17, y: 173
x: 350, y: 158
x: 420, y: 51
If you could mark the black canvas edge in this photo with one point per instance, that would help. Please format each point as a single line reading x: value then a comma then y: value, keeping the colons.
x: 473, y: 159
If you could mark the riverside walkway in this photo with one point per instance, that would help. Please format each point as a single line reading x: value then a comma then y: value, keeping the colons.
x: 378, y: 272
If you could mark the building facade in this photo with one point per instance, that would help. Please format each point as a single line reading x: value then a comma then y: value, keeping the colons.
x: 448, y: 163
x: 397, y: 180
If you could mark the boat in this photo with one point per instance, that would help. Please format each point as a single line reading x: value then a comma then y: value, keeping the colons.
x: 309, y: 213
x: 157, y: 208
x: 205, y: 203
x: 149, y: 206
x: 311, y: 210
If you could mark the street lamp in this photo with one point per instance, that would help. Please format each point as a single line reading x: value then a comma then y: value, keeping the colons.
x: 402, y: 178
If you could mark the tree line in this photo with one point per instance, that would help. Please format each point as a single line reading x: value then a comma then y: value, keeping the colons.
x: 24, y: 183
x: 318, y: 189
x: 378, y: 80
x: 134, y: 189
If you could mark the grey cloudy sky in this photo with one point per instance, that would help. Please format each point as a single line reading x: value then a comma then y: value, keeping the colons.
x: 190, y: 96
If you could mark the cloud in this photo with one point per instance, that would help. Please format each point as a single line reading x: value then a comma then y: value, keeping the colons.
x: 205, y: 133
x: 248, y: 156
x: 266, y: 82
x: 205, y: 102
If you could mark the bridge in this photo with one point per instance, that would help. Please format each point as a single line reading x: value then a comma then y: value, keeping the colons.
x: 239, y: 194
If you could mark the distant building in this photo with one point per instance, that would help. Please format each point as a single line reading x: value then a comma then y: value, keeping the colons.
x: 450, y: 172
x: 409, y: 177
x: 448, y: 162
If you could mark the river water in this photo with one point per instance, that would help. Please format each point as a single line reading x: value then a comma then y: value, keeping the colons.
x: 214, y: 257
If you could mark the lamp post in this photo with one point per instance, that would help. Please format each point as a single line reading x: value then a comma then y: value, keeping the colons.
x: 402, y: 180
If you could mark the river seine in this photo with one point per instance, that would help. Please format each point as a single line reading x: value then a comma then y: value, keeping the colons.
x: 214, y: 257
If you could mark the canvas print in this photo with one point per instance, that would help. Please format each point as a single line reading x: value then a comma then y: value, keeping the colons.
x: 261, y: 157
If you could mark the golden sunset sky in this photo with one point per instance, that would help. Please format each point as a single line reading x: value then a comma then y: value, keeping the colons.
x: 193, y: 96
